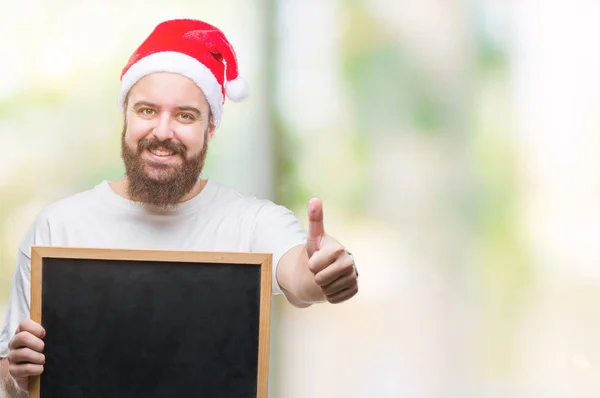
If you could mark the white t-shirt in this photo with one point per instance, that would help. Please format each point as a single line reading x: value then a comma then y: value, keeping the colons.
x: 217, y: 219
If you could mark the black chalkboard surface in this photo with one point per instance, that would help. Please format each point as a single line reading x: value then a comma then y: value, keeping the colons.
x: 151, y: 323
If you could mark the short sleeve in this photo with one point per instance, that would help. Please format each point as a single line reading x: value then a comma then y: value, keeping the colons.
x: 18, y: 301
x: 19, y: 298
x: 276, y: 231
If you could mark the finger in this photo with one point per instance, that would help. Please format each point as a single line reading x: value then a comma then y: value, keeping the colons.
x: 26, y: 355
x: 26, y: 340
x: 316, y: 230
x: 325, y: 257
x: 25, y: 370
x: 28, y: 325
x: 344, y: 295
x: 341, y: 283
x: 342, y: 265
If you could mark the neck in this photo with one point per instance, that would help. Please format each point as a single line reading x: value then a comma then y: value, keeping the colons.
x: 120, y: 188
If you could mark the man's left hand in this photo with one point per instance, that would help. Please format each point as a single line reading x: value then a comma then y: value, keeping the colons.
x: 331, y: 264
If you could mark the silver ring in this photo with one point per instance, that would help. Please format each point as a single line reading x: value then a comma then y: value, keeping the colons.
x: 353, y: 262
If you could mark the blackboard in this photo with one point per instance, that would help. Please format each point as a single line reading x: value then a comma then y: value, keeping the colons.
x: 151, y: 323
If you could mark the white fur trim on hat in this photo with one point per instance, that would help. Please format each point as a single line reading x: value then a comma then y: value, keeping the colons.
x: 169, y: 61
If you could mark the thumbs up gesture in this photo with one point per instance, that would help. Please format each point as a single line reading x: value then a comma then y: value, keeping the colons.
x: 332, y: 265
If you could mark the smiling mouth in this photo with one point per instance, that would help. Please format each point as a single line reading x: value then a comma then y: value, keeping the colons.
x: 161, y: 152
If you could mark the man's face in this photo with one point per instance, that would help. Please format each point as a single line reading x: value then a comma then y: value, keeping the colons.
x: 165, y: 138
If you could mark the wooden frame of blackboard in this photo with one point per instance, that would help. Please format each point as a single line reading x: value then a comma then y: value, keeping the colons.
x: 264, y: 260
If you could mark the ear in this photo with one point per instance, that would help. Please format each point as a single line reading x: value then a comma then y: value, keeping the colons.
x: 125, y: 107
x: 211, y: 128
x: 125, y: 120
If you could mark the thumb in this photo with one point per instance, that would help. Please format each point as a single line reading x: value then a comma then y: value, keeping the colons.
x: 316, y: 231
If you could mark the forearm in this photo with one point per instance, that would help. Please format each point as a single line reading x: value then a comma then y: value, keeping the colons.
x: 8, y: 385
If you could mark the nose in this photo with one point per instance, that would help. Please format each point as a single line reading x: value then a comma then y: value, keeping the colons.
x: 163, y: 131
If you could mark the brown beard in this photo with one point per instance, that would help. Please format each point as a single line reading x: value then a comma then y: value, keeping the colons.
x: 169, y: 184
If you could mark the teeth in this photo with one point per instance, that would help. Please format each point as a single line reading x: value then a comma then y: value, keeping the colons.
x: 161, y: 152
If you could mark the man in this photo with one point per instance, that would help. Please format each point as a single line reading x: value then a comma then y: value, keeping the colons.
x: 172, y: 94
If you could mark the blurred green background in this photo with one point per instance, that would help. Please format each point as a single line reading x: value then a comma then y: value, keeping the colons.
x: 454, y: 144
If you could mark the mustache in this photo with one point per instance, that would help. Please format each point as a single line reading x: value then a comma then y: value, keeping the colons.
x: 169, y: 145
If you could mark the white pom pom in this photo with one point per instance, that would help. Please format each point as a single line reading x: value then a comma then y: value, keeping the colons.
x: 237, y: 89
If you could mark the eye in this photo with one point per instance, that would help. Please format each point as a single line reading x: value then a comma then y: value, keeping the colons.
x: 146, y: 112
x: 187, y: 117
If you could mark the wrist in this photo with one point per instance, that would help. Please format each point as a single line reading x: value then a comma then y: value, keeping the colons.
x: 12, y: 388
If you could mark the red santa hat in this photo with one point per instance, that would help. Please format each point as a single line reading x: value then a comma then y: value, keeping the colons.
x: 194, y: 49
